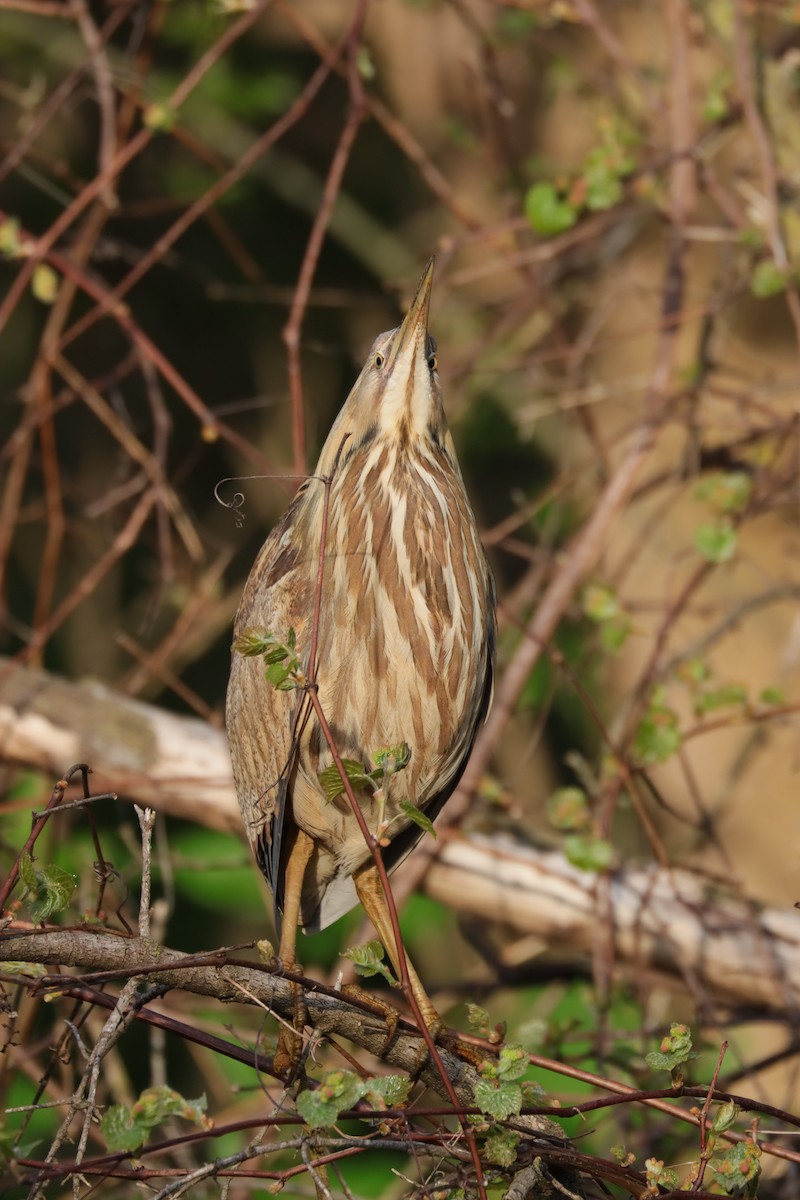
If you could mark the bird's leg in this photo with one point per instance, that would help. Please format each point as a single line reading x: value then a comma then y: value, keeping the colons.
x: 290, y: 1042
x: 370, y: 893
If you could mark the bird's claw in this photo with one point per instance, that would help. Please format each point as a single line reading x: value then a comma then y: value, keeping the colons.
x: 390, y: 1014
x: 290, y: 1039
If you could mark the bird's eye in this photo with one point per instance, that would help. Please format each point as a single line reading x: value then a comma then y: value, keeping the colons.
x: 432, y: 362
x: 379, y: 360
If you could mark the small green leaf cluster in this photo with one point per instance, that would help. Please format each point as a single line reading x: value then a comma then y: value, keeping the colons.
x: 47, y: 889
x: 598, y: 186
x: 388, y: 761
x: 127, y: 1129
x: 601, y: 605
x: 284, y: 669
x: 500, y: 1146
x: 368, y: 961
x: 708, y: 695
x: 738, y: 1169
x: 480, y: 1023
x: 716, y: 105
x: 11, y: 243
x: 497, y: 1094
x: 727, y: 493
x: 44, y: 283
x: 716, y: 543
x: 568, y: 809
x: 675, y: 1050
x: 159, y: 118
x: 768, y: 279
x: 589, y: 853
x: 659, y: 1176
x: 658, y: 736
x: 340, y: 1091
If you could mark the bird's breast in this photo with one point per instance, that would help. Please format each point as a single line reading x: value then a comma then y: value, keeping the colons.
x: 403, y: 632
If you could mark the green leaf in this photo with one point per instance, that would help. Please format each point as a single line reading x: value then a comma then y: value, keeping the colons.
x: 768, y: 280
x: 126, y: 1128
x: 331, y: 780
x: 658, y: 1176
x: 599, y: 602
x: 601, y: 179
x: 716, y: 105
x: 498, y: 1101
x: 157, y: 1104
x: 388, y: 1091
x: 532, y: 1092
x: 694, y: 671
x: 365, y: 64
x: 726, y: 696
x: 47, y: 888
x: 368, y: 961
x: 280, y: 676
x: 726, y: 491
x: 589, y: 853
x: 512, y: 1062
x: 601, y: 605
x: 738, y: 1169
x: 675, y: 1049
x: 121, y: 1131
x: 391, y: 759
x: 44, y: 283
x: 614, y: 634
x: 568, y: 808
x: 500, y: 1147
x: 417, y: 817
x: 547, y: 212
x: 274, y: 655
x: 338, y: 1091
x: 31, y: 970
x: 532, y: 1033
x: 10, y: 238
x: 253, y: 643
x: 159, y: 118
x: 478, y: 1019
x: 658, y: 736
x: 725, y: 1116
x: 715, y: 543
x: 772, y: 696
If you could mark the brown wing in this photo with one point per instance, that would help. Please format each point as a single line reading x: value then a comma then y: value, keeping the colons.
x: 261, y: 720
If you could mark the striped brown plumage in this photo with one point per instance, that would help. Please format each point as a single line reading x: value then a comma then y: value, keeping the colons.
x: 405, y: 640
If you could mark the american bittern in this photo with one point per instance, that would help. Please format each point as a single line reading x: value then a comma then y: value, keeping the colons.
x: 404, y: 648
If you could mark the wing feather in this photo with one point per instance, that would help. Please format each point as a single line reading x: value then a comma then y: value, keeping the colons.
x: 262, y: 720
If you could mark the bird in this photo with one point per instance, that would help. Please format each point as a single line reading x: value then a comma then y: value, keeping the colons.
x: 374, y: 590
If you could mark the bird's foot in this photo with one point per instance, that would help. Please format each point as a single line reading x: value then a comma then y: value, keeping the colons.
x: 390, y: 1014
x: 467, y: 1051
x: 290, y: 1039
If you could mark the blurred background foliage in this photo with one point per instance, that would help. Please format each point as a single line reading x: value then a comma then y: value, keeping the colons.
x: 536, y: 148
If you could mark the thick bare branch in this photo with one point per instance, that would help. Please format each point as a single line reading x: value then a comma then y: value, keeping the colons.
x: 725, y: 948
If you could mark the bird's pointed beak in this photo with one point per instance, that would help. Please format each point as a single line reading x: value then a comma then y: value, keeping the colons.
x: 412, y: 336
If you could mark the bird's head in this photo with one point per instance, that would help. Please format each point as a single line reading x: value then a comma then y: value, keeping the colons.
x: 397, y: 396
